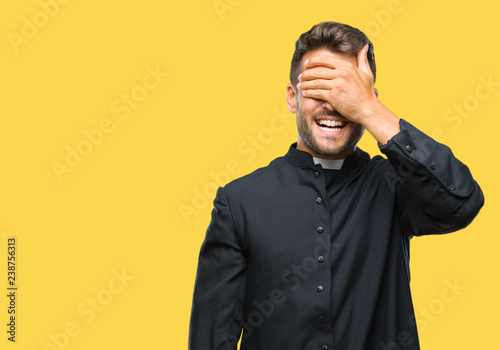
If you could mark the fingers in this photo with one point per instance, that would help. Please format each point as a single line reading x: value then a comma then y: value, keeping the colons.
x: 328, y: 62
x: 322, y: 79
x: 323, y: 74
x: 317, y: 94
x: 317, y: 73
x: 316, y: 84
x: 362, y: 58
x: 313, y: 80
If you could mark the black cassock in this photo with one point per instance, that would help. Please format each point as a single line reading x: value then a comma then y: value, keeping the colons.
x: 303, y: 262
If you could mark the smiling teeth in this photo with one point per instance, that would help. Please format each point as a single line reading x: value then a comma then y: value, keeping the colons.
x: 335, y: 129
x: 331, y: 123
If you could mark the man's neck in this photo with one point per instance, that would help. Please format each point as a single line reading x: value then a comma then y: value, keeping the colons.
x: 301, y: 146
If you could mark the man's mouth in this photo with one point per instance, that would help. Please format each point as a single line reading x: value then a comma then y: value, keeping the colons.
x: 331, y: 125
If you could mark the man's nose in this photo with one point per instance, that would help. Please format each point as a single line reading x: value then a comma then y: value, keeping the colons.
x: 328, y: 106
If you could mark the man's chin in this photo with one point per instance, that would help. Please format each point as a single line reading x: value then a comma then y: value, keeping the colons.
x: 331, y: 147
x: 338, y: 146
x: 328, y: 152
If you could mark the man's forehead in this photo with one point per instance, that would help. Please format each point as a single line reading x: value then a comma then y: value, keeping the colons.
x: 326, y: 52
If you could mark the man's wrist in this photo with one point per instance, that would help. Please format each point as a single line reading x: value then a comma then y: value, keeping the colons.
x: 381, y: 123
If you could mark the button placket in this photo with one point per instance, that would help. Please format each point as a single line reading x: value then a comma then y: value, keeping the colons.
x: 321, y: 317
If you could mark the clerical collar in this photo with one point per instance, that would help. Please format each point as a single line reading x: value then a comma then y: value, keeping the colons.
x: 335, y: 164
x: 305, y: 160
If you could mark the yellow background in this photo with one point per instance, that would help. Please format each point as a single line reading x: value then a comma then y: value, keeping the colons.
x: 119, y: 210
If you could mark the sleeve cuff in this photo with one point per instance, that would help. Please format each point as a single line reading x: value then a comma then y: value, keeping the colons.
x: 411, y: 148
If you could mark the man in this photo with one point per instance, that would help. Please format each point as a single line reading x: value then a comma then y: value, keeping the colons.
x: 312, y: 251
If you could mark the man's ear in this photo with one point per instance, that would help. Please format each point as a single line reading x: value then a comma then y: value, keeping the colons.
x: 291, y: 98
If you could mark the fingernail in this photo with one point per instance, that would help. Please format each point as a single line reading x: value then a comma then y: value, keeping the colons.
x: 298, y: 86
x: 305, y: 63
x: 300, y: 75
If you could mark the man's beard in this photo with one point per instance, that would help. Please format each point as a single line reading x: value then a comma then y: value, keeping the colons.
x: 306, y: 135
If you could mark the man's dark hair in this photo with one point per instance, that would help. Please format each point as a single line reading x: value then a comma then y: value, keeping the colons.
x: 333, y: 36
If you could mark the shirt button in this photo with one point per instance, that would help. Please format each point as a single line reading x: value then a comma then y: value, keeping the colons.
x: 318, y: 200
x: 320, y: 289
x: 408, y: 148
x: 324, y: 347
x: 321, y: 259
x: 433, y: 166
x: 316, y: 174
x: 321, y: 319
x: 452, y: 187
x: 320, y: 229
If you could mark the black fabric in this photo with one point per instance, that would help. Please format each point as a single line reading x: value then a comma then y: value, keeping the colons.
x: 305, y: 260
x: 330, y: 175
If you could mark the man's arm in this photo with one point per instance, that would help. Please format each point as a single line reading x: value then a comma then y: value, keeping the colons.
x: 435, y: 191
x: 219, y: 292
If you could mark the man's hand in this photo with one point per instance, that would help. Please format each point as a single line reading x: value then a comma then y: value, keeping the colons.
x: 348, y: 87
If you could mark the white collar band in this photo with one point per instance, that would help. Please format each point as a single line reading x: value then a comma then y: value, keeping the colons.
x: 335, y: 164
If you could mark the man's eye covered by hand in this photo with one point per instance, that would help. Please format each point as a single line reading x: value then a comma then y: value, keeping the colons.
x: 346, y: 82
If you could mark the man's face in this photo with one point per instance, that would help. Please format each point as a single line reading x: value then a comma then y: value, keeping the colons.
x: 323, y: 132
